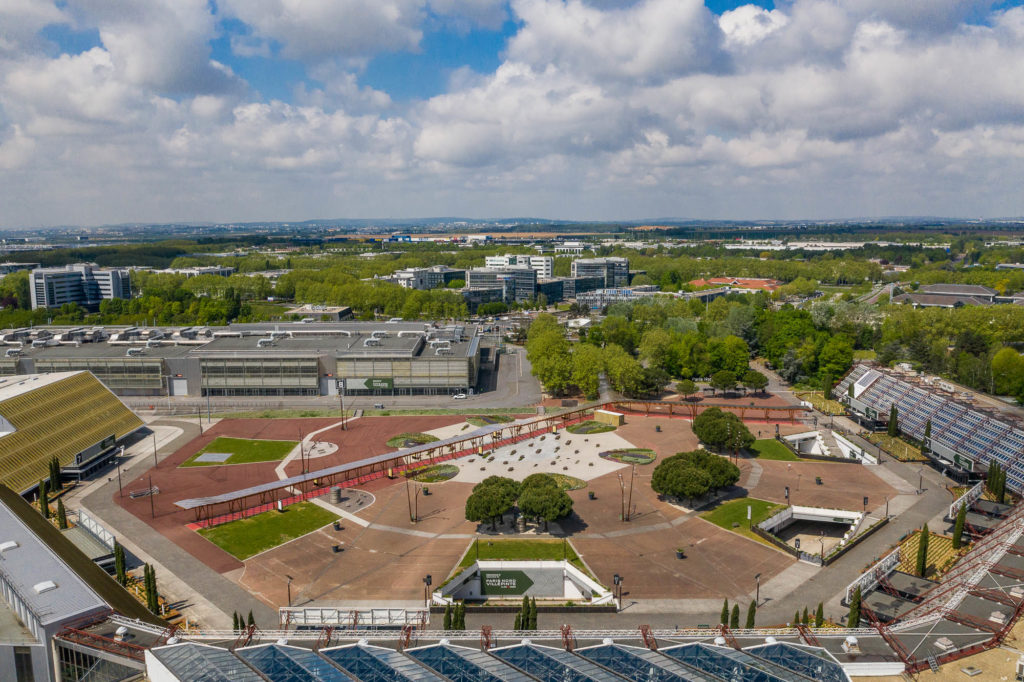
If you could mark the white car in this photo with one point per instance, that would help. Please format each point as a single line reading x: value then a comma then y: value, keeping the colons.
x: 459, y: 396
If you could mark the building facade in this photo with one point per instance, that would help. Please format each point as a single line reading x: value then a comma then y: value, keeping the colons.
x: 613, y: 270
x: 543, y: 265
x: 84, y: 284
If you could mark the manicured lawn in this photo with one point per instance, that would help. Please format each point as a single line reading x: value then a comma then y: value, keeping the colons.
x: 589, y: 427
x: 522, y: 550
x: 769, y: 448
x: 434, y: 473
x: 247, y: 537
x: 244, y: 451
x: 630, y: 455
x: 736, y: 511
x: 406, y: 440
x: 488, y: 419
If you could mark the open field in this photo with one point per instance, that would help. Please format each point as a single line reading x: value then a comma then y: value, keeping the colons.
x: 941, y: 554
x: 897, y: 447
x: 243, y: 451
x: 817, y: 399
x: 768, y: 448
x: 247, y: 537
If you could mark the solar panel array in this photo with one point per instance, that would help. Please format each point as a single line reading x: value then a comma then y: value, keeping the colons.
x: 608, y: 662
x: 955, y: 426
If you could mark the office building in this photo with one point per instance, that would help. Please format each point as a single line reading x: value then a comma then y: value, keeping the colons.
x: 427, y: 278
x: 543, y: 265
x: 614, y: 270
x: 83, y: 283
x: 517, y: 282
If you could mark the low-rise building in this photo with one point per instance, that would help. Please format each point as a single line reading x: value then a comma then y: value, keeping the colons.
x: 543, y: 265
x: 948, y: 296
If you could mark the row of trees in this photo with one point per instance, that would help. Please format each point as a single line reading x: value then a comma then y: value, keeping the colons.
x: 995, y: 481
x: 731, y: 619
x: 693, y: 474
x: 455, y: 616
x: 538, y: 497
x: 526, y: 617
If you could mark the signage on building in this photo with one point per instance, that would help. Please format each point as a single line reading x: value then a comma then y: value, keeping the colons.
x: 369, y: 384
x: 963, y: 462
x: 504, y: 582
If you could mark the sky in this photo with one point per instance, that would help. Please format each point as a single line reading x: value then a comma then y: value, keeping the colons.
x: 115, y: 111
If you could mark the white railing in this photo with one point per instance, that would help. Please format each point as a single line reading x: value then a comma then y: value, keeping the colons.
x: 352, y: 616
x: 96, y: 530
x: 968, y: 498
x: 869, y: 578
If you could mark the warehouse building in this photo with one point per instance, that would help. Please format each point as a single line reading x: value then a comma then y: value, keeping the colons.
x: 261, y: 359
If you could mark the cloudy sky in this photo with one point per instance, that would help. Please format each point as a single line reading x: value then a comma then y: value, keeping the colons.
x: 228, y: 110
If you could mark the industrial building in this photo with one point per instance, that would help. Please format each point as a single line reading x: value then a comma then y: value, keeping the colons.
x: 259, y: 359
x: 613, y: 270
x: 83, y: 283
x: 963, y: 437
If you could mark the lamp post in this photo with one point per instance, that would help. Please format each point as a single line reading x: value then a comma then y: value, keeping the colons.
x: 427, y: 580
x: 289, y: 589
x: 757, y: 593
x: 341, y: 401
x: 617, y: 580
x: 117, y: 460
x: 622, y: 499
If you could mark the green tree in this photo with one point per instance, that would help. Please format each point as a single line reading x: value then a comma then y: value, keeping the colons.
x: 1008, y: 372
x: 958, y: 527
x: 587, y: 365
x: 54, y: 474
x: 806, y: 620
x: 755, y: 381
x: 718, y: 429
x: 796, y: 617
x: 543, y: 499
x: 751, y: 614
x: 819, y: 615
x: 853, y: 620
x: 724, y: 618
x: 533, y: 613
x: 62, y: 517
x: 894, y: 422
x: 723, y: 381
x: 927, y: 437
x: 249, y: 621
x: 44, y: 499
x: 734, y: 619
x: 120, y: 568
x: 518, y: 625
x: 686, y: 388
x: 922, y: 552
x: 448, y: 617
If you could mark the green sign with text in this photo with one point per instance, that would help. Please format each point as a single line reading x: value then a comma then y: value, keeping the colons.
x: 504, y: 582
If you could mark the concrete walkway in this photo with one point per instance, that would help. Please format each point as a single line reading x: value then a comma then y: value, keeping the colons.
x: 210, y: 598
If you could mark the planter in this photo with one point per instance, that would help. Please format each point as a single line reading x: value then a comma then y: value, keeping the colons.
x: 680, y: 553
x: 426, y: 490
x: 591, y: 495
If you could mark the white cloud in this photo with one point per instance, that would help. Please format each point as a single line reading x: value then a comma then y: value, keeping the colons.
x: 322, y: 29
x: 750, y: 24
x: 20, y: 21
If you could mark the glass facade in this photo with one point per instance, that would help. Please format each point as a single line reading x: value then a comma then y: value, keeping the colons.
x: 125, y: 376
x: 75, y: 666
x: 260, y: 376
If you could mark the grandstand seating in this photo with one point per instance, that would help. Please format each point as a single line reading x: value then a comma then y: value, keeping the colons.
x: 60, y: 418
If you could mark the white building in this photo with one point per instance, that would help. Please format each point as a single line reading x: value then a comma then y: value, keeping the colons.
x: 82, y: 283
x: 543, y: 265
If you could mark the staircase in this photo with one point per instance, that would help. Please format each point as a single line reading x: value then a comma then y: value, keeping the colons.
x: 828, y: 443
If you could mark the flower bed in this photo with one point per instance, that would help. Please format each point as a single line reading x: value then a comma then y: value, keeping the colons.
x: 435, y: 473
x: 589, y: 427
x: 630, y: 455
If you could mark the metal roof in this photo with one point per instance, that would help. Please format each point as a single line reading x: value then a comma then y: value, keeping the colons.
x: 366, y: 662
x: 731, y: 664
x: 191, y: 662
x: 548, y: 663
x: 26, y: 566
x: 462, y: 664
x: 279, y: 663
x: 814, y: 662
x: 636, y: 663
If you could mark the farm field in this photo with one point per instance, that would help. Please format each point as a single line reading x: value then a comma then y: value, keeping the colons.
x: 242, y: 451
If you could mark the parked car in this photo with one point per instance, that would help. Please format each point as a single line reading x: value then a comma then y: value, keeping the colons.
x: 459, y: 396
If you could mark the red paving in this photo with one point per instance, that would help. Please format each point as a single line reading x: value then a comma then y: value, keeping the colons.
x: 364, y: 438
x: 381, y: 564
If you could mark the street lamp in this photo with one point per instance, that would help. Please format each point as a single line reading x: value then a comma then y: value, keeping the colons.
x: 289, y: 589
x: 757, y: 594
x: 617, y: 580
x: 427, y: 580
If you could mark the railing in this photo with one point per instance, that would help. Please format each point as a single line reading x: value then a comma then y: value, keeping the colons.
x: 96, y: 530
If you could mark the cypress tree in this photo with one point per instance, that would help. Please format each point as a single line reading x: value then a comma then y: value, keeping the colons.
x: 533, y: 614
x: 448, y: 617
x: 990, y: 477
x: 154, y: 594
x: 519, y: 622
x: 819, y: 615
x: 922, y: 551
x: 806, y: 620
x: 462, y: 616
x: 826, y: 386
x: 734, y: 621
x: 120, y: 573
x: 853, y: 621
x: 234, y: 621
x: 751, y: 614
x: 1001, y: 492
x: 725, y: 612
x: 44, y: 501
x: 849, y: 390
x: 55, y: 474
x: 927, y: 436
x: 958, y: 529
x: 250, y: 622
x: 894, y: 422
x: 796, y: 617
x: 62, y: 516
